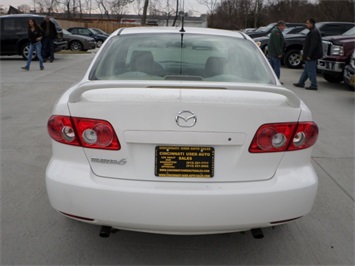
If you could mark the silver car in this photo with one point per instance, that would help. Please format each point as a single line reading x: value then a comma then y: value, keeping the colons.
x: 78, y: 42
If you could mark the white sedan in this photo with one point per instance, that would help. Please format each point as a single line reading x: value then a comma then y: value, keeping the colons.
x: 181, y: 131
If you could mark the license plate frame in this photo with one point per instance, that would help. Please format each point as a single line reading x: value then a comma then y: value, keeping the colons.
x: 184, y: 161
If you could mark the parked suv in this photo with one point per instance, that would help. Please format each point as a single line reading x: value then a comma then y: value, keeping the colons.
x: 294, y: 43
x: 14, y: 34
x: 337, y: 52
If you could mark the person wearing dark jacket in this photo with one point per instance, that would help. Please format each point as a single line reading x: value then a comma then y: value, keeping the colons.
x: 35, y: 37
x: 50, y: 33
x: 312, y: 51
x: 276, y: 47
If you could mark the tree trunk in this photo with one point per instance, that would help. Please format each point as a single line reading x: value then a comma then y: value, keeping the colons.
x: 144, y: 16
x: 177, y: 12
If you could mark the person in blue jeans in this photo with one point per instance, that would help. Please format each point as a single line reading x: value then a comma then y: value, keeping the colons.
x: 276, y: 47
x: 312, y: 51
x: 35, y: 37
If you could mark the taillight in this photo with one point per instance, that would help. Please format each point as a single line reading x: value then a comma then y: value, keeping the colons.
x: 61, y: 129
x: 278, y: 137
x: 85, y: 132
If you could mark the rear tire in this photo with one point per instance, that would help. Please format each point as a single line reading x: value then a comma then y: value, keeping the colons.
x: 292, y: 59
x: 333, y: 78
x: 76, y: 46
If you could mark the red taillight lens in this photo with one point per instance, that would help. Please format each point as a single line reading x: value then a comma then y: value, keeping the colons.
x: 85, y: 132
x: 61, y: 129
x: 284, y: 137
x: 305, y: 136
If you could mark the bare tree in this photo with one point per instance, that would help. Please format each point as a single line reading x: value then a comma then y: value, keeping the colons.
x: 341, y: 10
x: 233, y: 14
x: 80, y: 6
x: 289, y: 10
x: 257, y: 9
x: 43, y: 6
x: 170, y: 9
x: 145, y: 9
x: 136, y: 6
x: 67, y: 5
x: 88, y: 4
x: 176, y: 12
x: 102, y: 4
x: 118, y: 6
x: 24, y: 8
x: 211, y: 6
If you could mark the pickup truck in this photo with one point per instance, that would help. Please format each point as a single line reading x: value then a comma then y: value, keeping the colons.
x: 294, y: 42
x: 337, y: 52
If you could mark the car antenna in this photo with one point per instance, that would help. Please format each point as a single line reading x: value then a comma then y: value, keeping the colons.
x: 182, y: 30
x: 182, y: 15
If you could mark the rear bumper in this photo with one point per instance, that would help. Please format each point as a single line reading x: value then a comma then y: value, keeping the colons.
x: 89, y: 45
x: 180, y: 208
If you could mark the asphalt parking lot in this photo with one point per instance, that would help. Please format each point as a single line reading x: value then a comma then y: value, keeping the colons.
x: 32, y: 233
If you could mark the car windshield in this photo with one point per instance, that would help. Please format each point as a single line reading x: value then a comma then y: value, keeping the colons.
x: 268, y: 27
x: 304, y: 32
x: 350, y: 32
x: 98, y: 31
x: 65, y: 32
x: 292, y: 30
x: 260, y: 29
x: 286, y: 31
x: 181, y: 57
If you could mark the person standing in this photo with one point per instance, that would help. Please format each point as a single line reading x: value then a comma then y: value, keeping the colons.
x: 276, y: 47
x: 312, y: 51
x: 35, y: 37
x: 50, y: 33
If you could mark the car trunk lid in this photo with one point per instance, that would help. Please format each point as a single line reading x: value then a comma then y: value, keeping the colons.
x: 185, y: 134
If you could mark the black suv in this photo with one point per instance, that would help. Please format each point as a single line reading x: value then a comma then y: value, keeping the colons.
x: 14, y: 34
x: 294, y: 42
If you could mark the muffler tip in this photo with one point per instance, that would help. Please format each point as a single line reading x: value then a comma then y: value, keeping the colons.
x: 105, y: 231
x: 257, y: 233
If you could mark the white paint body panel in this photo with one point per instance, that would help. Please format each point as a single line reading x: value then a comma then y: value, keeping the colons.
x: 248, y: 190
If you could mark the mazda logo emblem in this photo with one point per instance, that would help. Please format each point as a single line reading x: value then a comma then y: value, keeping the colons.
x: 185, y: 119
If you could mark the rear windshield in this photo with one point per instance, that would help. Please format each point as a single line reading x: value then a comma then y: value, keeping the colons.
x: 181, y: 57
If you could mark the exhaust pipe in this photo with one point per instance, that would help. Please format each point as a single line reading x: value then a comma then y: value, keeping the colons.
x: 105, y: 231
x: 257, y: 233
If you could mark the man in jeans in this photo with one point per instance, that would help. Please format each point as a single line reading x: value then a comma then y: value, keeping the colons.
x: 276, y: 47
x: 50, y: 33
x: 312, y: 51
